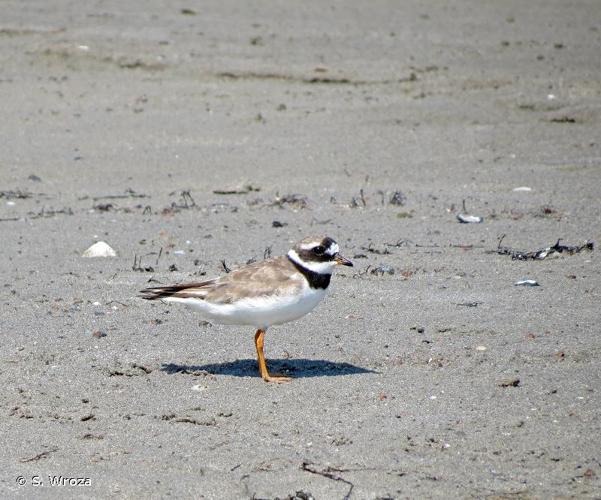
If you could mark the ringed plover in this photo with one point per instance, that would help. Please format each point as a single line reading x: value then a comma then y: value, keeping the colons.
x: 262, y: 294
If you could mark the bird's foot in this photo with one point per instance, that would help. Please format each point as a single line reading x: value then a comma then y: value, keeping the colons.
x: 278, y: 379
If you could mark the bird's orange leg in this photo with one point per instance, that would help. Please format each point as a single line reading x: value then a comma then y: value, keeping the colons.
x: 259, y: 340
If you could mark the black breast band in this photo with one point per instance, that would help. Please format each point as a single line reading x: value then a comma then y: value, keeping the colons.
x: 316, y: 280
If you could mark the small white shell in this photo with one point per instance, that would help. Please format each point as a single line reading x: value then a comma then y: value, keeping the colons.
x: 522, y: 189
x: 526, y: 283
x: 99, y: 249
x: 467, y: 219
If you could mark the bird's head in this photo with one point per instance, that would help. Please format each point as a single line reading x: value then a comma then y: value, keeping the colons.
x: 320, y: 255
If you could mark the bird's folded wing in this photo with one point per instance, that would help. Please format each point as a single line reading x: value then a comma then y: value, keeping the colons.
x: 251, y: 281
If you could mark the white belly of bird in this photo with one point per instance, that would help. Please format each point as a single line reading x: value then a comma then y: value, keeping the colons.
x: 260, y: 312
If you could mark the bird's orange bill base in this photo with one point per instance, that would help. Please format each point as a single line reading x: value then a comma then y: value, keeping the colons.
x: 259, y: 340
x: 343, y: 261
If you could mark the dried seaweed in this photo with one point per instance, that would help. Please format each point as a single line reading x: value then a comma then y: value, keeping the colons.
x: 47, y: 213
x: 543, y: 252
x: 378, y: 251
x: 382, y: 269
x: 295, y: 200
x: 402, y: 242
x: 358, y: 202
x: 186, y: 201
x: 15, y: 194
x: 398, y: 198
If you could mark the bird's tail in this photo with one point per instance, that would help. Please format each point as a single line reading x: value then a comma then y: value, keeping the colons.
x: 164, y: 292
x: 159, y: 292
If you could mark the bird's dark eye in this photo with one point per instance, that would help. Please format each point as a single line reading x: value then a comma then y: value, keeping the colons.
x: 319, y: 250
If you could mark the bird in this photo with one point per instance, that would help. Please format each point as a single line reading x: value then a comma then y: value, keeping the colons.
x: 262, y: 294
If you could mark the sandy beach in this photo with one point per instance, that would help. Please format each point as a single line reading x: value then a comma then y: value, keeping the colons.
x: 185, y: 134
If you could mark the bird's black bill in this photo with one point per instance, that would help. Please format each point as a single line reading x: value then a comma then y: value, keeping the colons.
x: 342, y: 261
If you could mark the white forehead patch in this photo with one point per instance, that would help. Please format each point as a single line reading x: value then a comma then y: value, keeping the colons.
x: 333, y: 249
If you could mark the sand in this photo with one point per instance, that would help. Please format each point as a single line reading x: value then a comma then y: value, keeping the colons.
x: 125, y: 122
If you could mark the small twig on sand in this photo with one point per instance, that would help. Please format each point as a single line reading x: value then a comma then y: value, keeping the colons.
x: 39, y: 456
x: 137, y: 265
x: 362, y: 273
x: 327, y: 473
x: 403, y: 242
x: 224, y: 265
x: 362, y: 194
x: 129, y: 193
